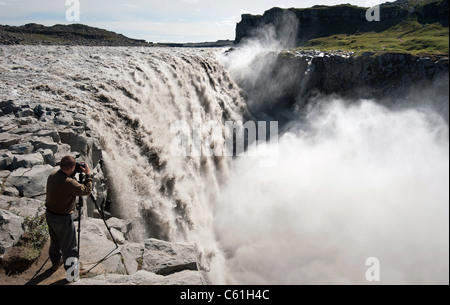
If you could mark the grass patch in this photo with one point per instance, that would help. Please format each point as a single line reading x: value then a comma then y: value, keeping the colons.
x: 408, y: 36
x: 28, y: 249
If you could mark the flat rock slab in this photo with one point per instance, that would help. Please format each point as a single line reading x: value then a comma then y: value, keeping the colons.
x: 31, y: 182
x: 24, y: 207
x: 165, y: 258
x: 95, y: 245
x: 147, y: 278
x: 10, y: 230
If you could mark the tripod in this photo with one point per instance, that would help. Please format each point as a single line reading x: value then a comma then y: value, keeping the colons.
x: 102, y: 215
x: 79, y: 208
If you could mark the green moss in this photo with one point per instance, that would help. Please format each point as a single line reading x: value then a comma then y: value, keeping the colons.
x: 37, y: 231
x: 408, y: 36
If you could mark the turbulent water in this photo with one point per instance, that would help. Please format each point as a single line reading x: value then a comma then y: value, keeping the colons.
x: 350, y: 183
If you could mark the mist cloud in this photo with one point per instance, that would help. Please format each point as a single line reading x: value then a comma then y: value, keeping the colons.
x: 362, y: 182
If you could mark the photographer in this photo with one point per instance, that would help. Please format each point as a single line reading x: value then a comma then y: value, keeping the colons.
x: 62, y: 190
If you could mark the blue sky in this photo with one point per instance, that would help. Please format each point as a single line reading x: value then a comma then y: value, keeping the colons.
x: 152, y: 20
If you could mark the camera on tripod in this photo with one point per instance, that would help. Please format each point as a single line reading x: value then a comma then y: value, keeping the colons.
x: 79, y: 167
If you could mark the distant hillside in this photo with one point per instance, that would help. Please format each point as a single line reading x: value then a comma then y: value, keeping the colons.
x: 73, y: 34
x: 413, y: 26
x: 83, y: 35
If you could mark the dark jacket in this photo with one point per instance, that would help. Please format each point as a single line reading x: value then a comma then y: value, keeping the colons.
x: 62, y: 191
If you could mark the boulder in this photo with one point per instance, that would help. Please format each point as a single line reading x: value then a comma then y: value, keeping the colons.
x: 132, y: 257
x: 47, y: 117
x: 31, y: 182
x: 38, y: 111
x: 97, y: 153
x: 47, y: 154
x: 27, y: 161
x: 21, y: 129
x: 23, y: 121
x: 4, y: 174
x: 118, y: 236
x: 44, y: 143
x: 10, y: 230
x: 6, y: 160
x: 25, y: 113
x: 94, y: 246
x: 165, y: 258
x: 49, y: 133
x: 64, y: 150
x: 22, y: 148
x: 8, y: 107
x: 159, y: 257
x: 7, y: 140
x: 80, y: 120
x: 9, y: 190
x: 24, y: 207
x: 77, y: 142
x: 63, y: 119
x: 120, y: 225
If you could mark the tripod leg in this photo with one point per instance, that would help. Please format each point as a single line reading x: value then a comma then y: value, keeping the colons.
x: 102, y: 214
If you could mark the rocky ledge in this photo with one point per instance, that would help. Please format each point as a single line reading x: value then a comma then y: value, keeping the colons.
x: 323, y: 21
x: 292, y: 79
x: 33, y: 138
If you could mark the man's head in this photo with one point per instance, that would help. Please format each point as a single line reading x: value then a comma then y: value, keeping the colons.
x: 68, y: 164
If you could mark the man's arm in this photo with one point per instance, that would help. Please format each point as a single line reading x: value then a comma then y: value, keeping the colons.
x: 78, y: 189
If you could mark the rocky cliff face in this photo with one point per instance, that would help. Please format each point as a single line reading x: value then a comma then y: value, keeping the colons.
x: 286, y: 82
x: 323, y: 21
x: 365, y: 76
x: 318, y: 21
x: 292, y: 79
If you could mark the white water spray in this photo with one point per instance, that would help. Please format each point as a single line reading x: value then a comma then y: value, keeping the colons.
x: 362, y: 182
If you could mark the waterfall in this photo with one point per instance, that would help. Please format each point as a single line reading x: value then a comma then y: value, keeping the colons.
x: 133, y: 96
x: 353, y: 180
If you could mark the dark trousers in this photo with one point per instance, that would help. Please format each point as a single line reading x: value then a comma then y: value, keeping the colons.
x: 63, y: 241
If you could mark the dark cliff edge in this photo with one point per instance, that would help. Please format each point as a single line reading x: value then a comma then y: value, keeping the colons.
x: 294, y: 80
x: 323, y: 21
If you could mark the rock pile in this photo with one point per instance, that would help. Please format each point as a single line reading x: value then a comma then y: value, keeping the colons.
x: 33, y: 139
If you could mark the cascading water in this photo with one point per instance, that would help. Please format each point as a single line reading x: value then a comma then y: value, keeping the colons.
x: 351, y: 181
x: 133, y: 96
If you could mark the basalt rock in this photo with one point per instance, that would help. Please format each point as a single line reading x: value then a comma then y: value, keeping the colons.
x: 292, y: 79
x: 32, y: 144
x: 323, y: 21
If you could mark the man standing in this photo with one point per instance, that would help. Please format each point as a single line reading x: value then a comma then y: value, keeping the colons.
x: 62, y: 190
